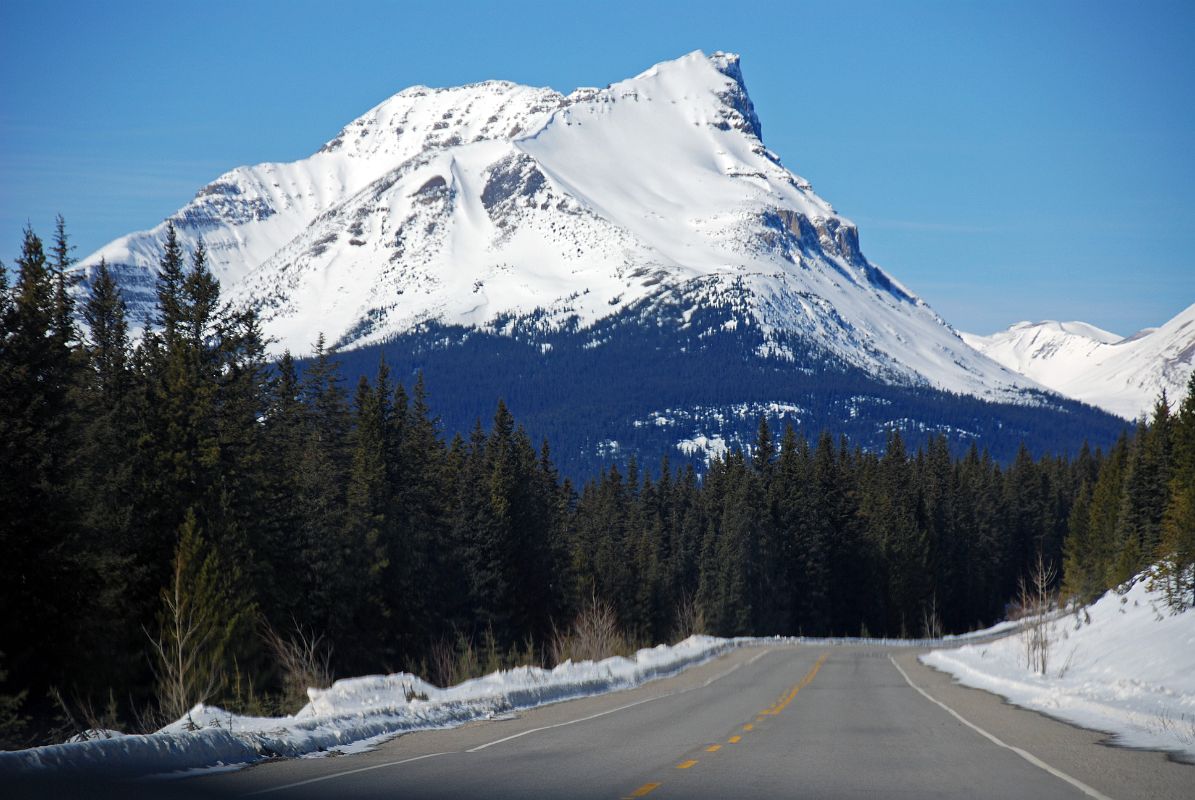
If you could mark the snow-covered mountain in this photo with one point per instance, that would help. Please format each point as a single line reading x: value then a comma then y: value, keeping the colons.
x: 496, y: 206
x: 1124, y: 375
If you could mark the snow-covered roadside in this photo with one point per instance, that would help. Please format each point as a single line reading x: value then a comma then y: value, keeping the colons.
x: 998, y: 629
x: 1124, y: 665
x: 355, y: 709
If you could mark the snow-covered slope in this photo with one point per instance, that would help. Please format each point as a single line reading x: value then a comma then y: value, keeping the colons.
x: 487, y: 203
x: 1122, y: 375
x: 1125, y: 664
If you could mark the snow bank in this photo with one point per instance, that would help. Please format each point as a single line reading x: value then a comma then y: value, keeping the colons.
x: 354, y: 709
x: 1125, y: 665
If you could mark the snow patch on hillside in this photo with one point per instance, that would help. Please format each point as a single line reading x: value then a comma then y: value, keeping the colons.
x: 1125, y: 665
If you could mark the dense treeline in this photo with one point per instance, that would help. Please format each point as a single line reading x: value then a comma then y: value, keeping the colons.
x: 600, y: 405
x: 182, y: 501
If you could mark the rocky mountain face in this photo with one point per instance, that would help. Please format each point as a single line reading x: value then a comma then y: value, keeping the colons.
x: 1123, y: 375
x: 481, y: 204
x: 445, y: 224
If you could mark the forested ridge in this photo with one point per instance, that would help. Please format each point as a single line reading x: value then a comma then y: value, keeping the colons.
x: 185, y: 500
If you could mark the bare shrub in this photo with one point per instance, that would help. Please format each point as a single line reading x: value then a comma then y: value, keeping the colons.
x: 303, y: 658
x: 594, y: 635
x: 690, y: 619
x: 82, y: 720
x: 931, y: 620
x: 1037, y: 600
x: 181, y: 654
x: 201, y: 617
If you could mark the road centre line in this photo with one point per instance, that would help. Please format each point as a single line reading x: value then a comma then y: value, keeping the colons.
x: 1025, y: 754
x: 788, y: 696
x: 779, y: 706
x: 717, y: 677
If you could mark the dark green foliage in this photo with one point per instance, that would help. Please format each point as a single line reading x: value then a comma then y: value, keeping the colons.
x: 577, y: 395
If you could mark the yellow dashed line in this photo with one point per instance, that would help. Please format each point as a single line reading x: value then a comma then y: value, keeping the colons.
x: 792, y: 693
x: 771, y: 710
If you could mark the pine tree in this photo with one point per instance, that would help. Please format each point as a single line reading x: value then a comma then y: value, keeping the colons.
x: 364, y: 545
x: 1177, y: 546
x: 38, y: 432
x: 1143, y: 498
x: 107, y: 337
x: 321, y: 476
x: 106, y: 548
x: 63, y: 326
x: 1082, y: 576
x: 1105, y: 511
x: 169, y: 286
x: 282, y: 548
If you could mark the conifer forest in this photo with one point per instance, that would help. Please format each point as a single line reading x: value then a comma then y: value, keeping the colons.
x: 178, y: 497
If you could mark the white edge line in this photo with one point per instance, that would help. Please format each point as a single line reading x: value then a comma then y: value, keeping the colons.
x: 719, y: 676
x: 342, y: 774
x: 1025, y: 754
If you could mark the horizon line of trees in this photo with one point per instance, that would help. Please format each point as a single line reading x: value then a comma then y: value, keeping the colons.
x: 182, y: 500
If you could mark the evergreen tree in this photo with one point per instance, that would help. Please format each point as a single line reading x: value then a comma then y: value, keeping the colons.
x: 1082, y: 576
x: 64, y: 332
x: 364, y: 545
x: 38, y: 433
x: 1177, y: 546
x: 325, y: 577
x: 1105, y: 511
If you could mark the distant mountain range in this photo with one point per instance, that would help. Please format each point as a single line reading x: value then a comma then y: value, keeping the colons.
x: 1124, y: 375
x: 630, y: 267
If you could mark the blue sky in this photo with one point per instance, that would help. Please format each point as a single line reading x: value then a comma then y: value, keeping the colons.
x: 1004, y: 160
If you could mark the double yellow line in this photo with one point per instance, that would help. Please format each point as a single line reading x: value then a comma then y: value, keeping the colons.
x: 791, y: 694
x: 771, y: 711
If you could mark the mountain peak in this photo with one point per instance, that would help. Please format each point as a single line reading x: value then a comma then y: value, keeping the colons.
x: 498, y: 206
x: 1079, y: 360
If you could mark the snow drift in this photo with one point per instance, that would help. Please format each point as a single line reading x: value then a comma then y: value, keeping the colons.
x: 354, y: 709
x: 1124, y: 665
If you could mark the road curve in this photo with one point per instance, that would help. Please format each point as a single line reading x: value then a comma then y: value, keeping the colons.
x: 790, y: 721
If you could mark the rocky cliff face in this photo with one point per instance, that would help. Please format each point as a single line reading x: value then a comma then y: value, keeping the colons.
x: 499, y: 207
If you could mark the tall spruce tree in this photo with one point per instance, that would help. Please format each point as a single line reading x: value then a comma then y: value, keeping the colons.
x: 38, y: 446
x: 1177, y: 547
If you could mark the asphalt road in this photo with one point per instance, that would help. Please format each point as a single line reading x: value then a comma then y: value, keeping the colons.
x: 797, y: 721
